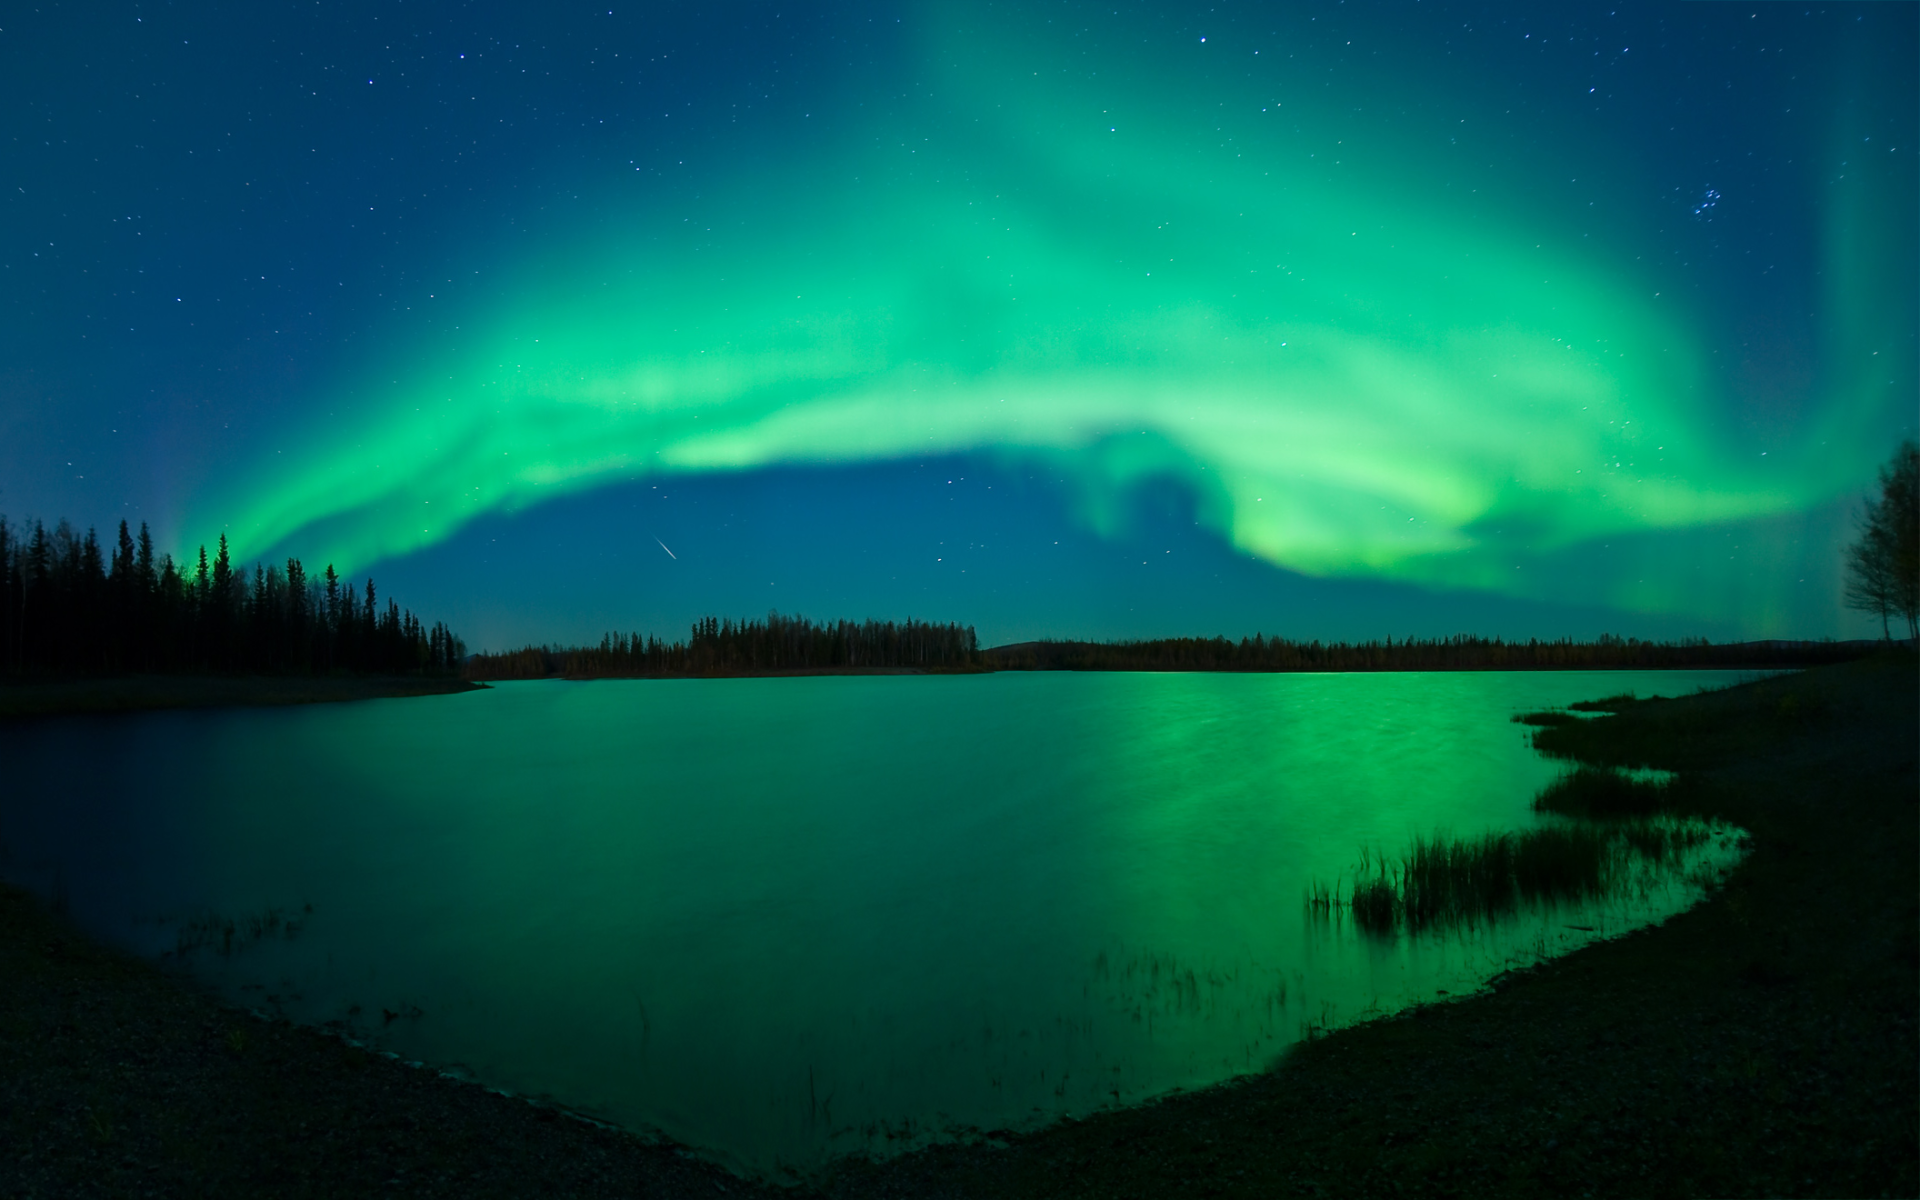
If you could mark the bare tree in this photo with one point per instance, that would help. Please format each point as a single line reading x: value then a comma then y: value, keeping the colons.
x: 1883, y: 565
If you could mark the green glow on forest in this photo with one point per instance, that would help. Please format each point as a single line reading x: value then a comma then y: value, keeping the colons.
x: 1356, y: 371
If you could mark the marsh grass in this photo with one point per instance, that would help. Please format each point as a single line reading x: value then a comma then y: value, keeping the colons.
x: 1608, y: 704
x: 1627, y: 828
x: 1683, y: 735
x: 1564, y: 863
x: 1376, y: 903
x: 1598, y: 792
x: 1323, y: 900
x: 1663, y: 843
x: 1546, y: 718
x: 1445, y: 881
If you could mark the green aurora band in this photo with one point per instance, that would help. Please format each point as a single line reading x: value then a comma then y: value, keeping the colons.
x: 1357, y: 370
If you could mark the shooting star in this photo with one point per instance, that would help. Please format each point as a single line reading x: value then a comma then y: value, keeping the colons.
x: 663, y: 546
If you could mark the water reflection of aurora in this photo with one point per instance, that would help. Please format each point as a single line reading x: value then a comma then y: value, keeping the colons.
x: 1159, y: 267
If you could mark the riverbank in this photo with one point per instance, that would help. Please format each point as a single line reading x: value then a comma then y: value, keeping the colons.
x: 1764, y: 1043
x: 118, y: 1079
x: 143, y: 693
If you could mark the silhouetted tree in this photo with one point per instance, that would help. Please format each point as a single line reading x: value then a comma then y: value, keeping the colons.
x: 725, y: 647
x: 1883, y: 563
x: 65, y: 608
x: 719, y: 646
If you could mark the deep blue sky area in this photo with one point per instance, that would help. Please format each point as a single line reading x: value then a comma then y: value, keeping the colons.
x: 957, y: 539
x: 1329, y: 320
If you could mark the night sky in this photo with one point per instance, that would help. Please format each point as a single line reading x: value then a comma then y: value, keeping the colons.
x: 1325, y: 320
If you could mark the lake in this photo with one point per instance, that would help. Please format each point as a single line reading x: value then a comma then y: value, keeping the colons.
x: 781, y: 919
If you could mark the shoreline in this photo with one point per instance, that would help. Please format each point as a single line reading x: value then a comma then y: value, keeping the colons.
x: 1764, y: 1042
x: 25, y: 699
x: 22, y: 700
x: 804, y: 672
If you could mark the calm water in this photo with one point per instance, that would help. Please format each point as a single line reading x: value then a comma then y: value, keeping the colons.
x: 786, y: 918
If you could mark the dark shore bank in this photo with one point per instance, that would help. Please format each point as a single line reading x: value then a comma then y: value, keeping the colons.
x: 141, y: 693
x: 1764, y: 1043
x: 796, y: 646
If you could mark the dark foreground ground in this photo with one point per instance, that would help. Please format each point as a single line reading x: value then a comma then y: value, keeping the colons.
x: 1762, y: 1044
x: 140, y: 692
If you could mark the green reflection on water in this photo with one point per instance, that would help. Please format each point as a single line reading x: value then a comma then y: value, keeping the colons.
x: 784, y: 918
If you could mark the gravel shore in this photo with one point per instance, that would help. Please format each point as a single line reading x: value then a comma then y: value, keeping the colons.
x: 1764, y: 1043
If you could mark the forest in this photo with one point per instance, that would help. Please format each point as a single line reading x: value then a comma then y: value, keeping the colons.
x: 70, y: 607
x: 749, y: 647
x: 794, y: 644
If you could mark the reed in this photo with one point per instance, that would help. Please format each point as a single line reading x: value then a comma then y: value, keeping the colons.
x: 1546, y: 718
x: 1321, y: 900
x: 1568, y: 863
x: 1662, y: 842
x: 1608, y: 704
x: 1376, y: 905
x: 1444, y: 880
x: 1597, y: 792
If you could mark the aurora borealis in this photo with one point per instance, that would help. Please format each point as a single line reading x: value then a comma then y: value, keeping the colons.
x: 1603, y: 316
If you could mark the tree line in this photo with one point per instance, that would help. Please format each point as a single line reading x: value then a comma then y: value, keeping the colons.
x: 748, y: 647
x: 70, y: 606
x: 777, y: 644
x: 1460, y: 653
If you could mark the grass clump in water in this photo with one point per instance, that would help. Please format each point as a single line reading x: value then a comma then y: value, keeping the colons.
x: 1608, y: 704
x: 1443, y: 880
x: 1570, y: 863
x: 1376, y: 904
x: 1601, y: 793
x: 1546, y: 718
x: 1661, y: 842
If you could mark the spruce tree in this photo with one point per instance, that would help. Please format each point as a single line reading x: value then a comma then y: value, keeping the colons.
x: 144, y: 575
